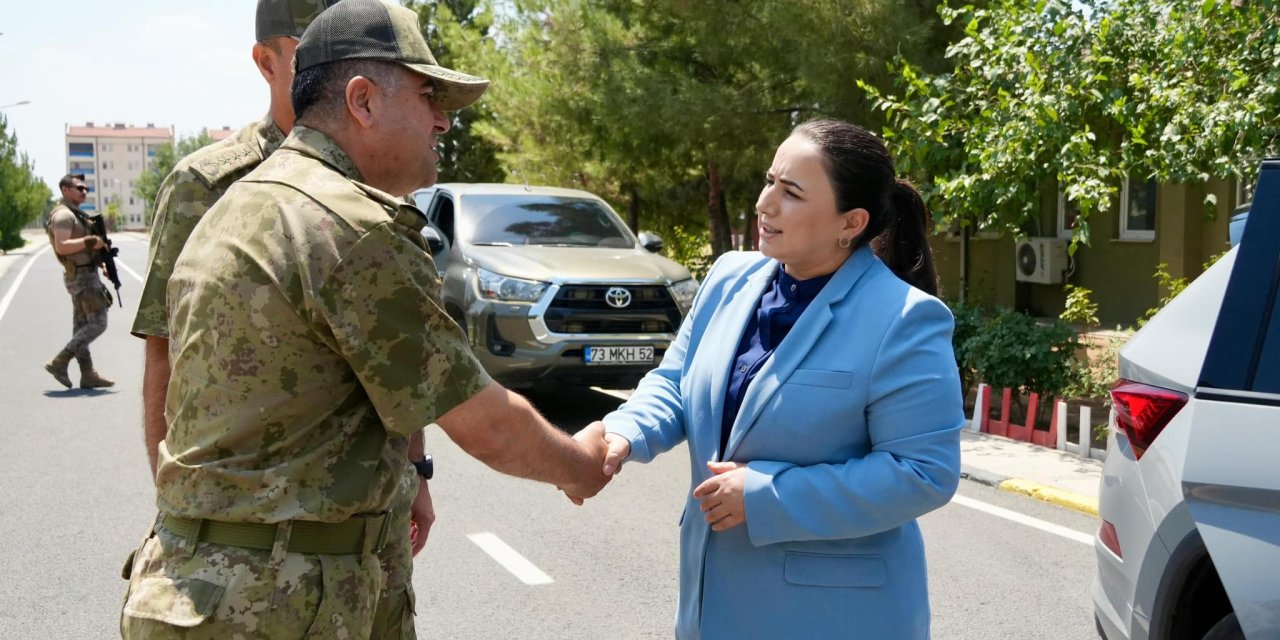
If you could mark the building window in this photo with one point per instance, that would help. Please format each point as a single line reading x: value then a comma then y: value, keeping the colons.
x: 80, y: 149
x: 1138, y: 210
x: 1068, y: 212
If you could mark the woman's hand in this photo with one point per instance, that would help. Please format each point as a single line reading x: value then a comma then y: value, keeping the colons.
x: 722, y: 496
x: 617, y: 448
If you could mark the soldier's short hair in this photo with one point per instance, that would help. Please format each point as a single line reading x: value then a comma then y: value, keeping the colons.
x: 319, y: 92
x: 69, y: 180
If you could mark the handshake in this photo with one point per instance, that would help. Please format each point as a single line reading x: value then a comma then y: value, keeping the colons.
x: 601, y: 456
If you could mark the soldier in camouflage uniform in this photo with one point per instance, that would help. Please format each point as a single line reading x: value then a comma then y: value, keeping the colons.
x: 90, y: 299
x: 308, y: 346
x: 190, y: 190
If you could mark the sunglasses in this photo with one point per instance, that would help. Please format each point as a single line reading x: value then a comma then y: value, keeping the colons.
x: 82, y: 189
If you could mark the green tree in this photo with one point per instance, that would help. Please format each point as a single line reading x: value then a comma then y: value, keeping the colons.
x: 675, y: 107
x: 22, y: 195
x: 166, y: 158
x: 451, y: 26
x: 1082, y: 94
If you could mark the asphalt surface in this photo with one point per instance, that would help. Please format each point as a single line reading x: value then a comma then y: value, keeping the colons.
x: 75, y: 496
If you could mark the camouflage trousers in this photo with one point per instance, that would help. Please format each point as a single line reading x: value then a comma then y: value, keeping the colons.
x: 217, y: 591
x: 90, y: 300
x: 393, y: 619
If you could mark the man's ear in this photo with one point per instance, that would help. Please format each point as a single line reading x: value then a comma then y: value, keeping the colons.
x: 265, y: 59
x: 361, y: 96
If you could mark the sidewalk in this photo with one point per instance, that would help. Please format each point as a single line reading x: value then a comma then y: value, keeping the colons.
x: 1047, y: 474
x: 36, y: 241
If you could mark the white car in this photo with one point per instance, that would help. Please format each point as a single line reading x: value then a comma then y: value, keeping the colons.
x: 1189, y: 543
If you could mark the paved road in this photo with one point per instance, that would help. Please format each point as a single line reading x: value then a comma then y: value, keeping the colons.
x: 75, y: 496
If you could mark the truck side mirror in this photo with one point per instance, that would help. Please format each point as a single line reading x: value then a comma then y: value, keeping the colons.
x: 435, y: 241
x: 652, y: 242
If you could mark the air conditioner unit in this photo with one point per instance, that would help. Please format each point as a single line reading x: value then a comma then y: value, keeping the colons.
x: 1040, y: 260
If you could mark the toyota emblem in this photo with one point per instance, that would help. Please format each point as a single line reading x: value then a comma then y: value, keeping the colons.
x: 617, y: 297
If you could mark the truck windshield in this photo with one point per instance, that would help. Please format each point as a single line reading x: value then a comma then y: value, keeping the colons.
x: 540, y: 220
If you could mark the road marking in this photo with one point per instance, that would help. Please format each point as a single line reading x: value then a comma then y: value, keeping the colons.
x: 510, y: 559
x: 1014, y: 516
x: 13, y: 290
x: 122, y: 265
x: 621, y: 395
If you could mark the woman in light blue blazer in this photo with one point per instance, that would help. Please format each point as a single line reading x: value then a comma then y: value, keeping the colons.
x: 816, y: 387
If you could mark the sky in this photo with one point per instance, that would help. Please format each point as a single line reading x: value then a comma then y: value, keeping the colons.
x: 175, y: 63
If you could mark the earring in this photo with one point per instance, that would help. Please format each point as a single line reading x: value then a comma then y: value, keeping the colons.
x: 844, y: 242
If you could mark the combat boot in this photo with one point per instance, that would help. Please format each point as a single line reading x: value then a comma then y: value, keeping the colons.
x: 57, y: 367
x: 89, y: 378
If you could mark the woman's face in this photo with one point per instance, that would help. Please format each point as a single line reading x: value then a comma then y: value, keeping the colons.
x: 799, y: 225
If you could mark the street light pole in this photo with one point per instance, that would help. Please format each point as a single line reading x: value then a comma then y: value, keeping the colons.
x: 16, y: 104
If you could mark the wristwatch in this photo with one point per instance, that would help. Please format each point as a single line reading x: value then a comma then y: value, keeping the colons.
x: 425, y: 467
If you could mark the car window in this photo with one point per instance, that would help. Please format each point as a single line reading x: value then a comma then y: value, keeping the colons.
x: 1267, y: 379
x: 423, y: 198
x: 541, y: 220
x: 442, y: 215
x: 1245, y: 345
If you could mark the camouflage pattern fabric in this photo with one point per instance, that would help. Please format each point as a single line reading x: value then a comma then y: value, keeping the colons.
x: 187, y: 193
x: 307, y: 345
x: 393, y: 619
x: 90, y: 300
x: 215, y: 592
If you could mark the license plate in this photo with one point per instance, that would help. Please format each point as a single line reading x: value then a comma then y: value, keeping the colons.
x: 618, y: 355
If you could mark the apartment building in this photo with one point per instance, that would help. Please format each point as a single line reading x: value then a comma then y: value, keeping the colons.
x: 112, y: 156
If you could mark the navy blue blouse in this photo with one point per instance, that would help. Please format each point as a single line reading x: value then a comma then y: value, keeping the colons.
x: 779, y: 309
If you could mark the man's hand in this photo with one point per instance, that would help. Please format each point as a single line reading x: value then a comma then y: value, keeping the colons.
x: 92, y: 242
x: 722, y: 496
x: 421, y: 516
x: 591, y: 479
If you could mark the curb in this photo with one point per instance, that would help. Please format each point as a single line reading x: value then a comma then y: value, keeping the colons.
x: 1061, y: 497
x: 1071, y: 500
x: 982, y: 477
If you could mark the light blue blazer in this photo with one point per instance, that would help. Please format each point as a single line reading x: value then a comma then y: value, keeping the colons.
x: 851, y: 431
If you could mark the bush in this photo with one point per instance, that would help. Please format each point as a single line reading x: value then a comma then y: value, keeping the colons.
x: 969, y: 322
x: 691, y: 249
x: 1013, y: 350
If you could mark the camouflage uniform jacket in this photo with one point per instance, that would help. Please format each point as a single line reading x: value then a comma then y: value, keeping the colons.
x: 193, y: 186
x: 307, y: 344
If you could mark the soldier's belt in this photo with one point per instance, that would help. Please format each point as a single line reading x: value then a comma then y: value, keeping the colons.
x: 354, y: 535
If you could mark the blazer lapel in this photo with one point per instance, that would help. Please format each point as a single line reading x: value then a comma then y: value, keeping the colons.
x: 794, y: 347
x: 725, y: 329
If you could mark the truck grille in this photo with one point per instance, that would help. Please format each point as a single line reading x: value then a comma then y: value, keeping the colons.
x: 583, y: 308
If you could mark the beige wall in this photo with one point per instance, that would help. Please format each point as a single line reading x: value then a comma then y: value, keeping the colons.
x: 1120, y: 273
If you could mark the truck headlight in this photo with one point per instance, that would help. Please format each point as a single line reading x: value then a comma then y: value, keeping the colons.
x: 683, y: 292
x: 499, y: 287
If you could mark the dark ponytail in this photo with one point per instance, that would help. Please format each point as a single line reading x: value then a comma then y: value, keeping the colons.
x: 904, y: 243
x: 863, y: 177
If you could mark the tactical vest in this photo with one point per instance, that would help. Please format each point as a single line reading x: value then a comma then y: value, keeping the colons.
x: 68, y: 266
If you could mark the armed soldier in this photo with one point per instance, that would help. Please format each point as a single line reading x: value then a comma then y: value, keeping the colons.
x: 79, y: 252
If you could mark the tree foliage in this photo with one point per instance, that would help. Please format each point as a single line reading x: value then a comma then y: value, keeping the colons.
x: 22, y: 195
x: 451, y: 26
x: 675, y: 107
x: 166, y: 158
x: 1082, y: 94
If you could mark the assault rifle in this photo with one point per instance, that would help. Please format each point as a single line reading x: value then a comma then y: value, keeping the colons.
x: 97, y: 226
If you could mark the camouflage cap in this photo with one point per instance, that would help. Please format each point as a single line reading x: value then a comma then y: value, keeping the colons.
x: 287, y: 17
x: 381, y: 30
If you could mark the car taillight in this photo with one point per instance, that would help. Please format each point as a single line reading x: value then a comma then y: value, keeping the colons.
x: 1142, y: 411
x: 1110, y: 540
